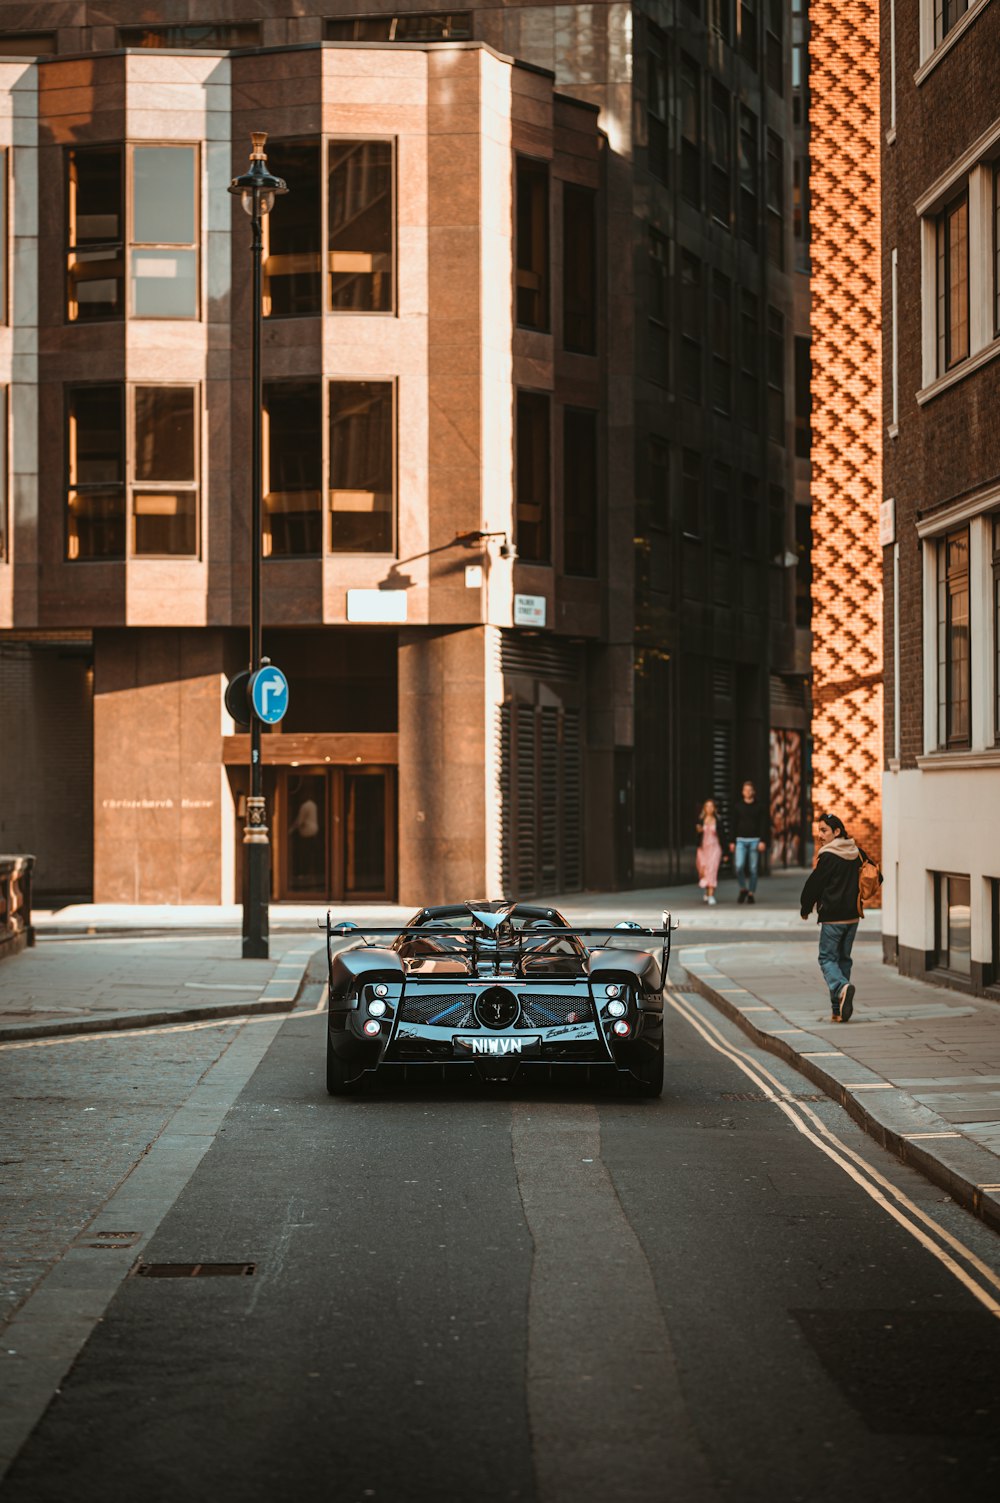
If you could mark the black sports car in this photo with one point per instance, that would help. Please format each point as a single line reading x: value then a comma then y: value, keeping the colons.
x: 494, y: 989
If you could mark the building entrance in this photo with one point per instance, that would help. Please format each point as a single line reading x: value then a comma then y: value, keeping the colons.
x: 334, y: 834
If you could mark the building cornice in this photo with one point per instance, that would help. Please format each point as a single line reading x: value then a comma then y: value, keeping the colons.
x: 960, y: 761
x: 967, y: 368
x: 954, y: 512
x: 934, y: 196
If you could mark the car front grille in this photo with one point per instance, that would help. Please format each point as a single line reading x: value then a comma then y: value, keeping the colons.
x: 454, y: 1009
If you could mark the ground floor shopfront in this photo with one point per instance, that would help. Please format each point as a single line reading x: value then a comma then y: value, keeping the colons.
x: 941, y: 861
x: 420, y: 765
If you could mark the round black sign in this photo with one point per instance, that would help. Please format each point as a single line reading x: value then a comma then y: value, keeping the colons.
x: 496, y: 1007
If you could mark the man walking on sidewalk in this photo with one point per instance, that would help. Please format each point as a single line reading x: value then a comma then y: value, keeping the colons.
x: 832, y: 888
x: 749, y: 843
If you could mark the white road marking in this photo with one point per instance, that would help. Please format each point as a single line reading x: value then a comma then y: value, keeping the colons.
x: 806, y: 1121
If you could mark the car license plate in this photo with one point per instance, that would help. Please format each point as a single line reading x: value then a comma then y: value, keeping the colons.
x: 496, y: 1046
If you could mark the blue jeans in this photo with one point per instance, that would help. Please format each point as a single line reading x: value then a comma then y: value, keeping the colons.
x: 746, y: 862
x: 835, y: 942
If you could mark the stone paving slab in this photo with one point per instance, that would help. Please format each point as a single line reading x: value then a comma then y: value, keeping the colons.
x: 922, y: 1078
x: 99, y: 984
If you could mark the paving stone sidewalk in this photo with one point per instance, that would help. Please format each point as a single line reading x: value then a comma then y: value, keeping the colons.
x: 94, y: 984
x: 918, y: 1065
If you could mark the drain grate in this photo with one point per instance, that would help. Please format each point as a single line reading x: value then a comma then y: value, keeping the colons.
x: 193, y: 1270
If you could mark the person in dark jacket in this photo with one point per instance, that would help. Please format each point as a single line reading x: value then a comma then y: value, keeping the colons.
x: 748, y: 841
x: 832, y: 889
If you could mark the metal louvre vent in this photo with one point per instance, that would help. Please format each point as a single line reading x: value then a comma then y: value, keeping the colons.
x: 526, y: 833
x: 722, y: 764
x: 447, y: 1009
x: 506, y: 800
x: 550, y: 1010
x: 572, y: 820
x: 540, y: 657
x: 549, y: 811
x: 541, y: 788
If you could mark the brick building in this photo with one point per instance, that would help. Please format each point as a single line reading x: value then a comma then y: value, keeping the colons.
x: 941, y: 516
x: 530, y: 523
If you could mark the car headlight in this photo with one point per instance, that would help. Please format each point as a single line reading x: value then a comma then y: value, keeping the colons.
x: 380, y: 989
x: 612, y: 990
x: 377, y: 1008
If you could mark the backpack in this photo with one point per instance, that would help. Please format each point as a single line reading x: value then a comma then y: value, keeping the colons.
x: 869, y: 882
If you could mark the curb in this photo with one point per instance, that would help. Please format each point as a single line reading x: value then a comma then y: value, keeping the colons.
x: 279, y: 995
x: 969, y: 1172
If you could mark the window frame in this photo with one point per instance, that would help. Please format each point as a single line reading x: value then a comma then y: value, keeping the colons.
x: 167, y: 487
x: 946, y: 17
x: 541, y: 168
x: 6, y: 260
x: 691, y: 327
x: 545, y: 520
x: 69, y: 388
x: 947, y: 359
x: 658, y: 126
x: 327, y: 138
x: 6, y: 470
x: 327, y: 549
x: 131, y: 244
x: 578, y: 192
x: 942, y: 925
x: 946, y: 659
x: 658, y: 307
x: 994, y: 541
x: 570, y: 413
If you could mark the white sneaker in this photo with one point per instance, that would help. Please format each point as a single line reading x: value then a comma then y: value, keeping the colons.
x: 711, y: 902
x: 705, y: 898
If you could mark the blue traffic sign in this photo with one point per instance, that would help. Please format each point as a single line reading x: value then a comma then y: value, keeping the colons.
x: 269, y: 694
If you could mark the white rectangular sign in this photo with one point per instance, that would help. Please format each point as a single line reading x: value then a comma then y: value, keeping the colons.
x: 377, y: 606
x: 529, y: 610
x: 887, y: 522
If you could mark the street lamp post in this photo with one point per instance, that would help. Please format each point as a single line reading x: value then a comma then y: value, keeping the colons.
x: 257, y: 189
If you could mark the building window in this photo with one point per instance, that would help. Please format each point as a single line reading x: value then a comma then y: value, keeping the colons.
x: 293, y: 469
x: 361, y: 233
x: 95, y: 472
x: 164, y: 254
x: 579, y: 269
x: 533, y: 477
x: 4, y: 236
x: 240, y: 34
x: 690, y: 130
x: 691, y: 327
x: 774, y: 45
x: 775, y: 376
x: 293, y: 240
x: 720, y: 14
x: 164, y: 471
x: 720, y: 184
x: 532, y: 244
x: 992, y: 969
x: 27, y: 43
x: 749, y: 359
x: 954, y: 658
x: 691, y: 508
x: 803, y: 568
x: 953, y: 942
x: 800, y: 212
x: 722, y: 343
x: 659, y: 309
x: 580, y: 494
x: 946, y: 15
x: 658, y: 104
x: 361, y: 466
x: 723, y: 591
x: 996, y: 248
x: 803, y: 396
x: 447, y: 26
x: 775, y: 200
x: 952, y: 234
x: 95, y: 276
x: 746, y: 26
x: 749, y: 176
x: 4, y: 477
x: 995, y: 540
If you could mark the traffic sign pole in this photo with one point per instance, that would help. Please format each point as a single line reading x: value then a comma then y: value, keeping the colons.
x: 256, y: 842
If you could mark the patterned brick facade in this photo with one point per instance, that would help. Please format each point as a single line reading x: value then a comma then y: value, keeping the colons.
x: 846, y: 413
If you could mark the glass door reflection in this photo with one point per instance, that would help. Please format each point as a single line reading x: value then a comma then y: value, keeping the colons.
x: 306, y: 835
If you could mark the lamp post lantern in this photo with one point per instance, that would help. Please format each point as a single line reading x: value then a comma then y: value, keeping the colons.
x: 257, y: 190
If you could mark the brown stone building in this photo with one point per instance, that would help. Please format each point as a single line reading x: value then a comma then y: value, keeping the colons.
x: 941, y: 516
x: 529, y: 523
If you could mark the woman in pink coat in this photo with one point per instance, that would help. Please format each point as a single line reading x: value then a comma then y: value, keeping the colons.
x: 710, y: 847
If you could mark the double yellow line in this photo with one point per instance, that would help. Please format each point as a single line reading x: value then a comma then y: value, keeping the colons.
x: 960, y: 1261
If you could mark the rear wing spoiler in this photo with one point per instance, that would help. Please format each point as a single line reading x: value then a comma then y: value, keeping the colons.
x: 348, y: 929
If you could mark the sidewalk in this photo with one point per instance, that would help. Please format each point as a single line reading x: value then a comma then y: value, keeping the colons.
x: 918, y: 1066
x: 97, y: 984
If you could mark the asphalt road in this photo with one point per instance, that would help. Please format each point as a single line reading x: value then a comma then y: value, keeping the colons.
x: 541, y: 1296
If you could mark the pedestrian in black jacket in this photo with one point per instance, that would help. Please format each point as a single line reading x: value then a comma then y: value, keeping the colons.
x: 748, y: 841
x: 832, y: 889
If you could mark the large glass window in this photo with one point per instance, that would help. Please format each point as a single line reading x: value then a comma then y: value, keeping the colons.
x: 361, y: 234
x: 532, y: 244
x: 720, y: 184
x: 96, y: 472
x: 746, y: 25
x: 164, y: 255
x: 722, y: 343
x: 691, y: 322
x: 533, y: 477
x: 774, y: 45
x: 690, y: 129
x: 235, y: 34
x: 953, y: 639
x: 4, y: 238
x: 658, y: 103
x: 803, y: 396
x: 749, y: 359
x: 749, y: 176
x: 659, y: 308
x: 445, y: 26
x: 293, y: 469
x: 579, y: 269
x: 362, y: 465
x: 952, y: 232
x: 946, y: 14
x: 95, y: 258
x: 996, y: 625
x: 775, y: 376
x: 164, y: 471
x: 775, y: 200
x: 4, y: 478
x: 27, y: 43
x: 293, y: 239
x: 996, y: 248
x: 580, y: 494
x: 954, y: 924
